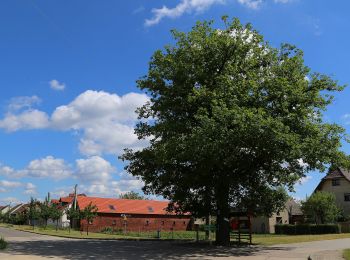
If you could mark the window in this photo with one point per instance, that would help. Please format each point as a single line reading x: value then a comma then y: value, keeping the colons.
x: 147, y: 222
x: 163, y: 223
x: 150, y: 209
x: 336, y: 182
x: 184, y: 223
x: 90, y: 222
x: 114, y: 222
x: 346, y: 196
x: 174, y: 223
x: 278, y: 220
x: 111, y: 207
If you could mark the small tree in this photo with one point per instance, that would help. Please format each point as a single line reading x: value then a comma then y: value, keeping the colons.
x: 132, y: 195
x: 45, y: 212
x: 55, y: 214
x: 33, y: 212
x: 321, y: 208
x: 89, y: 213
x: 72, y: 214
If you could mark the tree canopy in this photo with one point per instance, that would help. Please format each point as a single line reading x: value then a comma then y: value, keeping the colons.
x: 230, y: 120
x: 321, y: 208
x: 132, y: 195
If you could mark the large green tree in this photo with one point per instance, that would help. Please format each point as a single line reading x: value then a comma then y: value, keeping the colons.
x: 321, y: 208
x: 230, y: 120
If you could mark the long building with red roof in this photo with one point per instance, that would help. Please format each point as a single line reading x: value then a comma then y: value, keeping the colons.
x: 132, y: 215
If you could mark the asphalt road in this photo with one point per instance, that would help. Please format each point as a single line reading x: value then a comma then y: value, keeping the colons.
x: 30, y: 246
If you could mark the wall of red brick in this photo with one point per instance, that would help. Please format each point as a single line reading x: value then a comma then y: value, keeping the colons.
x: 138, y: 223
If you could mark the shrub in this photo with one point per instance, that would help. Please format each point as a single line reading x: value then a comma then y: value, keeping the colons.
x: 307, y: 229
x: 3, y: 243
x: 107, y: 230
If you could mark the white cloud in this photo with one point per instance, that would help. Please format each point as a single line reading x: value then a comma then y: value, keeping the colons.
x: 56, y: 85
x: 30, y: 189
x: 197, y: 6
x: 185, y: 6
x: 105, y: 121
x: 7, y: 186
x: 252, y: 4
x: 10, y: 184
x: 283, y: 1
x: 48, y: 167
x: 304, y: 180
x: 94, y: 170
x: 9, y: 200
x: 17, y: 103
x: 30, y: 119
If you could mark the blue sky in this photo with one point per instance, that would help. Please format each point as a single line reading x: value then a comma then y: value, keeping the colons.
x: 68, y: 72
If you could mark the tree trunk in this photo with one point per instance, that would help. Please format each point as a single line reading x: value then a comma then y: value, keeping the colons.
x: 56, y: 225
x: 87, y: 229
x: 223, y: 215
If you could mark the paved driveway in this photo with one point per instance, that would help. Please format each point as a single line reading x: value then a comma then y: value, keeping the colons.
x: 32, y: 246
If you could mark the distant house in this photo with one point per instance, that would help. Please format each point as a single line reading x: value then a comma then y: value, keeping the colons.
x: 64, y: 203
x: 291, y: 214
x: 19, y: 209
x: 338, y: 183
x: 132, y: 215
x: 4, y: 209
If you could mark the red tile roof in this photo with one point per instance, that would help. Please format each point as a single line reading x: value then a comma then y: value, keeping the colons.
x: 54, y: 201
x: 66, y: 199
x: 125, y: 206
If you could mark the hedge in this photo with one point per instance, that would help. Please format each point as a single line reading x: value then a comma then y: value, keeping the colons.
x: 307, y: 229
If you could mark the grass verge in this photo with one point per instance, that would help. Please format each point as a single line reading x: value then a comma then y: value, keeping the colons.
x: 346, y: 254
x: 271, y: 239
x: 258, y: 239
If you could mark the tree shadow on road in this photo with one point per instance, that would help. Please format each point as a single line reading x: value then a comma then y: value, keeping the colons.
x: 104, y: 249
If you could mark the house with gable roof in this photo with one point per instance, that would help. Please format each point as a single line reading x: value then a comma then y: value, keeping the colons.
x: 133, y: 215
x: 338, y: 183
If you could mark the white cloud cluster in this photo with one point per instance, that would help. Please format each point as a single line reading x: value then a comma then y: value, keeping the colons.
x: 95, y: 176
x: 8, y: 186
x: 9, y: 200
x: 29, y: 119
x: 185, y: 6
x: 252, y: 4
x: 18, y: 103
x: 190, y: 6
x: 48, y: 167
x: 56, y: 85
x: 105, y: 120
x: 30, y: 189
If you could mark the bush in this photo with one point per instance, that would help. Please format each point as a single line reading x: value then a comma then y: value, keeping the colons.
x: 307, y: 229
x: 3, y: 243
x: 107, y: 230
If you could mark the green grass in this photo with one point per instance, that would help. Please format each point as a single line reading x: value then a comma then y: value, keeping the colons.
x: 271, y: 239
x: 3, y: 243
x: 346, y: 254
x: 259, y: 239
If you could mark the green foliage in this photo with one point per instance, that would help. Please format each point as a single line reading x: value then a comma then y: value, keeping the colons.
x: 307, y: 229
x: 45, y: 211
x: 321, y: 208
x: 229, y: 121
x: 33, y: 211
x: 72, y: 213
x: 89, y: 213
x: 3, y: 243
x: 132, y: 195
